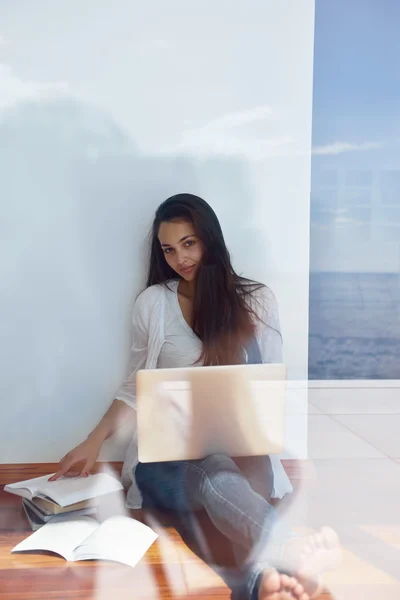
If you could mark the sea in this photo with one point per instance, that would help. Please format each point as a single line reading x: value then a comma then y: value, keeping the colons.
x: 354, y: 326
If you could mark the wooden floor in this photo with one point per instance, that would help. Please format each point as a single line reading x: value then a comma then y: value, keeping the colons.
x: 168, y: 570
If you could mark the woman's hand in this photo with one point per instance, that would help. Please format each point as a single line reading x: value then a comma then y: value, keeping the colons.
x: 80, y: 460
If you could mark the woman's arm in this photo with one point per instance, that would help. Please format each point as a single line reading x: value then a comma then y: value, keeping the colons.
x: 81, y: 459
x: 122, y: 409
x: 116, y: 416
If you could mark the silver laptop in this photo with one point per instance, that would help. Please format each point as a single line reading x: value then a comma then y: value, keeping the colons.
x: 185, y: 414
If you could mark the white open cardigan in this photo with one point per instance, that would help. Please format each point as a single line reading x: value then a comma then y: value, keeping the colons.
x: 148, y: 338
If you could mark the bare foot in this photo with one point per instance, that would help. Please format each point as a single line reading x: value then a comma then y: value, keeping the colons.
x: 311, y: 556
x: 315, y: 553
x: 274, y: 586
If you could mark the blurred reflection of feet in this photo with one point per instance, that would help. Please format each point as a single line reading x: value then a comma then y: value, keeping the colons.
x: 307, y: 558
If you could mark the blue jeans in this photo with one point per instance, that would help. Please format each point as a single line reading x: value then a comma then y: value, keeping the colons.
x: 235, y: 496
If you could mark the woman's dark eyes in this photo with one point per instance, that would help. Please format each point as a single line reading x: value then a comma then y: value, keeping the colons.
x: 187, y: 244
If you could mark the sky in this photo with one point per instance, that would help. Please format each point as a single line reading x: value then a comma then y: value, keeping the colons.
x: 355, y: 195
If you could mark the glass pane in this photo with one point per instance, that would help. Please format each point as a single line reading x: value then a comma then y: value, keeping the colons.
x: 355, y: 193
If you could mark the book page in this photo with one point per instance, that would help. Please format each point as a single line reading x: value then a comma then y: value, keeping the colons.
x: 28, y: 488
x: 119, y: 538
x: 61, y: 536
x: 69, y: 490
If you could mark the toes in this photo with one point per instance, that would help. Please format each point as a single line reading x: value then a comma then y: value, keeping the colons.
x: 298, y: 589
x: 275, y: 586
x: 331, y: 539
x: 291, y: 589
x: 270, y: 584
x: 285, y: 581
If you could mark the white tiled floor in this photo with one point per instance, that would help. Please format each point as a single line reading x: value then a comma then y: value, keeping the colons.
x: 382, y: 431
x: 348, y: 401
x: 329, y: 439
x: 354, y: 442
x: 360, y: 499
x: 313, y: 410
x: 349, y: 491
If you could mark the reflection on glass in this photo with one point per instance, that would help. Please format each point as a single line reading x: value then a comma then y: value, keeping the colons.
x: 355, y: 197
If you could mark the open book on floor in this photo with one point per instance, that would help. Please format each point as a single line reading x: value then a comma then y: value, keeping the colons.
x: 66, y: 491
x: 119, y: 538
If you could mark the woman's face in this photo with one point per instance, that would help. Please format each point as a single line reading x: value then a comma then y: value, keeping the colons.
x: 182, y: 248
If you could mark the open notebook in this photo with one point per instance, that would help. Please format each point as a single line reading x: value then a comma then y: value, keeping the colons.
x: 66, y: 490
x: 119, y: 538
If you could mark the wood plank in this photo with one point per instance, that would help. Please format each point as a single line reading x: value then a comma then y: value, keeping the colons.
x: 9, y: 472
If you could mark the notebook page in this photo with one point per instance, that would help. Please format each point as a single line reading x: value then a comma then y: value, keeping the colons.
x: 32, y: 485
x: 68, y: 490
x: 119, y: 538
x: 61, y: 536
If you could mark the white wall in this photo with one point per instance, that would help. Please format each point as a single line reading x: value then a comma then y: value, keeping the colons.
x: 106, y: 110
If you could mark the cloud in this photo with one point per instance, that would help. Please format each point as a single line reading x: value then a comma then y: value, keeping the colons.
x: 340, y: 147
x: 239, y: 118
x: 147, y: 46
x: 55, y: 111
x: 223, y: 125
x: 227, y: 135
x: 207, y: 144
x: 337, y: 222
x: 13, y: 89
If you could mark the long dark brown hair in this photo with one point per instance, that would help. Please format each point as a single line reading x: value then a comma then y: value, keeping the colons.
x: 222, y: 314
